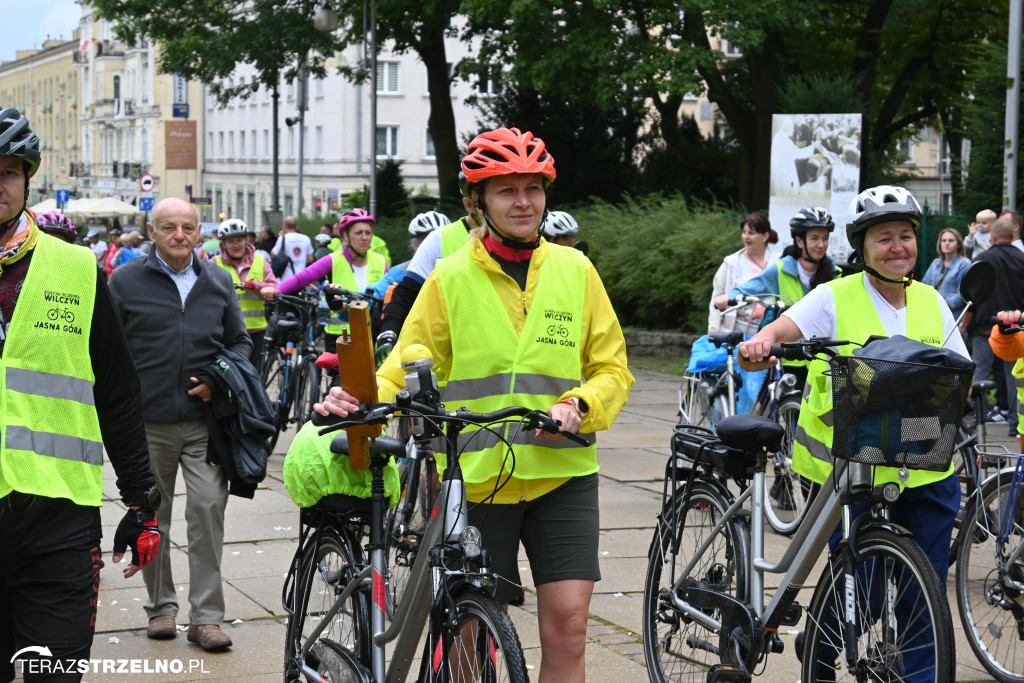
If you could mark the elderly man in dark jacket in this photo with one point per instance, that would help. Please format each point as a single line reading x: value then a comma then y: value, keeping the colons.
x: 177, y: 312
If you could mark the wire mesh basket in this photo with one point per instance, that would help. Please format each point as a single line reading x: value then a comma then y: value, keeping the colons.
x: 895, y: 413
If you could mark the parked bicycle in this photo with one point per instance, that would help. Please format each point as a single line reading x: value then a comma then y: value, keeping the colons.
x: 336, y: 600
x: 878, y: 607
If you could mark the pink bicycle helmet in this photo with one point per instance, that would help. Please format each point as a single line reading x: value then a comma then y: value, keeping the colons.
x: 58, y: 225
x: 355, y: 216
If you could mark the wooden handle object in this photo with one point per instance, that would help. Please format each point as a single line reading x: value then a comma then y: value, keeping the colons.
x: 356, y: 367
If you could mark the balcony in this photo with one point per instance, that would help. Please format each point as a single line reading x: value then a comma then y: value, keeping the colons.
x: 79, y: 169
x: 79, y: 57
x: 108, y: 48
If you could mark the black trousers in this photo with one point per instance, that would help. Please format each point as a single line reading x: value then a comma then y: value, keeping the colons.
x: 48, y: 600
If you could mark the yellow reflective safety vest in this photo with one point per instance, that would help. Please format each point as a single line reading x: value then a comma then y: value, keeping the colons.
x: 50, y: 441
x: 253, y: 308
x: 453, y: 237
x: 856, y: 320
x: 342, y: 275
x: 334, y: 244
x: 379, y: 246
x: 791, y: 288
x: 492, y: 367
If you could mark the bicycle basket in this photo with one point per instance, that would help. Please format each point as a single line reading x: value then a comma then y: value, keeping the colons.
x: 896, y: 413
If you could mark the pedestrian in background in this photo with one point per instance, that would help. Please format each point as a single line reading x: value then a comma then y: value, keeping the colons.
x: 297, y: 246
x: 178, y: 311
x: 945, y: 272
x: 115, y: 244
x: 250, y: 270
x: 1016, y: 219
x: 750, y: 261
x: 98, y: 246
x: 979, y: 232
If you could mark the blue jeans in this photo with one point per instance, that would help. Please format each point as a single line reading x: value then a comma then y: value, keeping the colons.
x: 928, y: 512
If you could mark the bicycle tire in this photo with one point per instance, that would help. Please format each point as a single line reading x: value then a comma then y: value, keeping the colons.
x: 496, y: 655
x: 787, y: 495
x: 404, y: 544
x: 987, y: 603
x: 695, y: 401
x: 668, y: 635
x: 306, y: 389
x: 276, y: 384
x: 879, y: 652
x: 325, y: 571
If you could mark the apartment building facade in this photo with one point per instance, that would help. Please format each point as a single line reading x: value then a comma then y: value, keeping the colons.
x: 338, y: 144
x: 44, y: 85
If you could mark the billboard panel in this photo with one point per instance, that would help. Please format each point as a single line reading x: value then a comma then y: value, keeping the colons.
x: 815, y: 162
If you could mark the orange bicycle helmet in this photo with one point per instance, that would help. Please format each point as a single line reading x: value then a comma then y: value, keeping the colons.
x: 505, y: 151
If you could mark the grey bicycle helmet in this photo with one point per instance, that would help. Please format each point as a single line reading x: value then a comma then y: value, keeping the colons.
x: 425, y: 223
x: 559, y: 224
x: 880, y: 205
x: 18, y: 140
x: 810, y: 217
x: 232, y: 227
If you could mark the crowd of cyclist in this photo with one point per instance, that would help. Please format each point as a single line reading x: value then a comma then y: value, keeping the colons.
x: 480, y: 293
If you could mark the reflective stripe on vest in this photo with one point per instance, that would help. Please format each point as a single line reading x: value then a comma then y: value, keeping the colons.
x: 50, y: 440
x: 453, y: 237
x: 342, y: 276
x: 492, y: 367
x: 856, y: 320
x: 791, y: 288
x: 1018, y: 379
x: 252, y: 304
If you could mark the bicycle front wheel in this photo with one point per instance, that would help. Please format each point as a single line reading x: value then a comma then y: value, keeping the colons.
x: 989, y: 586
x: 406, y: 524
x: 483, y: 647
x: 903, y: 626
x: 307, y: 389
x: 275, y: 379
x: 676, y: 646
x: 343, y: 647
x: 787, y: 494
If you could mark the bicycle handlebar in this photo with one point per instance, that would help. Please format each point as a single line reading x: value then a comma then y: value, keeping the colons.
x: 805, y: 349
x: 332, y: 291
x: 381, y: 413
x: 1008, y: 329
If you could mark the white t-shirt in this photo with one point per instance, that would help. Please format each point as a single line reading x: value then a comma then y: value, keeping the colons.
x: 100, y: 249
x: 299, y: 248
x: 423, y: 261
x: 815, y: 315
x: 805, y: 275
x: 360, y: 273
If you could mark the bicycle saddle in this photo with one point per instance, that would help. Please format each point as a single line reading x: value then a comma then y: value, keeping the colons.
x: 286, y: 324
x: 984, y: 386
x: 750, y: 433
x: 720, y: 339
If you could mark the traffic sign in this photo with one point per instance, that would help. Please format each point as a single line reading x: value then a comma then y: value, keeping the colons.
x: 63, y: 196
x: 146, y: 203
x: 146, y: 182
x: 203, y: 201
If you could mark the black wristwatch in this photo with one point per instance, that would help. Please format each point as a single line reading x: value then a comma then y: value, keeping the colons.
x: 150, y: 499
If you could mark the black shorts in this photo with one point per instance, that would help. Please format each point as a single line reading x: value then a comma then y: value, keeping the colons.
x: 559, y: 531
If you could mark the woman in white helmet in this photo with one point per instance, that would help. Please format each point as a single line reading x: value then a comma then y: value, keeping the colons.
x: 560, y: 228
x: 419, y: 227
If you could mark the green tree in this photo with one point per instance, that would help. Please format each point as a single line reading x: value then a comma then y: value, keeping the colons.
x: 392, y: 197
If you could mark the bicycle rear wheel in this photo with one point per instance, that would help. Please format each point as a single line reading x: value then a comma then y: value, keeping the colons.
x: 676, y: 647
x: 275, y: 379
x: 343, y: 648
x: 483, y: 646
x: 787, y: 494
x: 988, y: 586
x: 904, y: 630
x: 406, y: 525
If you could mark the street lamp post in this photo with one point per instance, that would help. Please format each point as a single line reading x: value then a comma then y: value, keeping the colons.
x: 373, y: 108
x: 301, y: 121
x: 275, y: 205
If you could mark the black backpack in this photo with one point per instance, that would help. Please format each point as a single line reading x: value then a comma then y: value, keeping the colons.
x: 281, y: 262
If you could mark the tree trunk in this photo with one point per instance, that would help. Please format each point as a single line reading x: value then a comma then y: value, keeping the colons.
x: 441, y: 122
x: 764, y: 79
x: 952, y: 124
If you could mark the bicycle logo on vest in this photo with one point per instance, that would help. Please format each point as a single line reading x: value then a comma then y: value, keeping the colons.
x: 56, y: 314
x: 557, y: 331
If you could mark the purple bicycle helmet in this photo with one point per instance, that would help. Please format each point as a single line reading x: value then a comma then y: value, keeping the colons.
x: 58, y: 225
x: 355, y: 216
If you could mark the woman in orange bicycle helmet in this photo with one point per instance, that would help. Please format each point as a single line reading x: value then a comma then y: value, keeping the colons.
x: 513, y: 320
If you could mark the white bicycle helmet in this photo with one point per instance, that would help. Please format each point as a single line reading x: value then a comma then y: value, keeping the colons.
x: 231, y: 227
x: 323, y: 239
x: 880, y: 204
x: 426, y: 223
x: 559, y: 224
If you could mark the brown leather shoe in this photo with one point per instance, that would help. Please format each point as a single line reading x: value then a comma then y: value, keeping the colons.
x: 209, y: 637
x: 162, y: 628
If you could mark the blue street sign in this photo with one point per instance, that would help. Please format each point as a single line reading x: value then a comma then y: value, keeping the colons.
x: 63, y: 196
x: 146, y: 203
x: 179, y: 110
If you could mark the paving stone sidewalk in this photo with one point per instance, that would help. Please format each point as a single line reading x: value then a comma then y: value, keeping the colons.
x: 261, y: 536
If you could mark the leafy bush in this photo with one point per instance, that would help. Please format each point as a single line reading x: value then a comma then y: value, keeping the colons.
x: 658, y: 256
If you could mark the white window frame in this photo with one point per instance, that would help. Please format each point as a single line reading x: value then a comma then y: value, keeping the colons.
x: 253, y: 145
x: 266, y: 143
x: 908, y: 152
x: 319, y: 142
x: 491, y: 82
x: 428, y: 142
x: 319, y: 88
x: 394, y: 137
x: 384, y: 66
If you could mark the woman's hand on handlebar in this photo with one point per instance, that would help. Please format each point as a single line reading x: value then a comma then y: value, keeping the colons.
x: 565, y: 413
x: 1008, y: 318
x: 756, y: 355
x: 268, y: 292
x: 337, y: 402
x: 722, y: 302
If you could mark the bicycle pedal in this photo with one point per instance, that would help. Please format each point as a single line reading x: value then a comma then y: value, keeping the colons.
x: 720, y: 673
x: 792, y: 616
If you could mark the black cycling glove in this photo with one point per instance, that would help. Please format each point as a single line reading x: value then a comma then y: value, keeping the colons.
x: 138, y: 530
x: 385, y: 343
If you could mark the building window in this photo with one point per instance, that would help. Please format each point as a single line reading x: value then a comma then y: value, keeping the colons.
x: 209, y: 146
x: 429, y: 145
x: 252, y: 144
x: 387, y: 141
x: 241, y: 144
x: 905, y: 151
x: 266, y: 143
x: 291, y: 89
x: 387, y: 78
x: 231, y: 145
x: 291, y: 143
x: 220, y: 144
x: 730, y: 50
x: 319, y: 142
x: 319, y: 87
x: 488, y: 81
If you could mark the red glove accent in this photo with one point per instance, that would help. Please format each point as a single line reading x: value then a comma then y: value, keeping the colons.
x: 138, y: 530
x: 249, y: 284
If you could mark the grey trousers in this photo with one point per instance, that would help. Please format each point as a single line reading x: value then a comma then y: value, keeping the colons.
x: 206, y: 496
